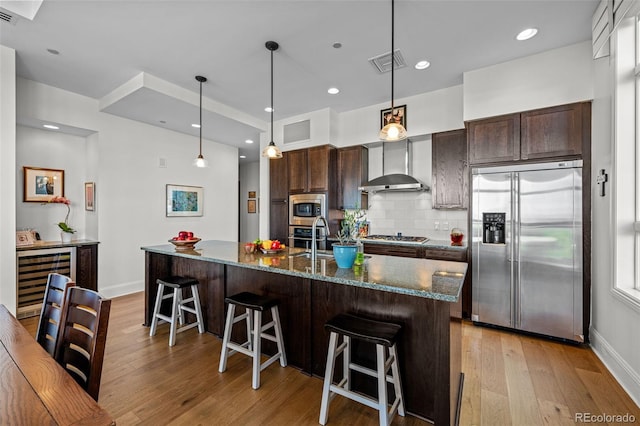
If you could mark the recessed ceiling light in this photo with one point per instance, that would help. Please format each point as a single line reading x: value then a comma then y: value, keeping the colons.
x: 269, y: 109
x: 422, y: 65
x: 333, y: 91
x: 197, y: 126
x: 248, y: 141
x: 337, y: 45
x: 50, y: 126
x: 53, y: 51
x: 527, y: 34
x: 243, y: 156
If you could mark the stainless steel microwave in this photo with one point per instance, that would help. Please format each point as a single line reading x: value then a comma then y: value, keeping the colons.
x: 303, y: 208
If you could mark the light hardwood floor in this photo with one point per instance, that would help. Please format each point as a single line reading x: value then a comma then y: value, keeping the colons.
x: 510, y: 379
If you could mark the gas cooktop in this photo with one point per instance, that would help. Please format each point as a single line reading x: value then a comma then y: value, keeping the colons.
x: 397, y: 238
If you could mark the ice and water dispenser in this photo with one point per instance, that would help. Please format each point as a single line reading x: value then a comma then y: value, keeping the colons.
x: 493, y: 227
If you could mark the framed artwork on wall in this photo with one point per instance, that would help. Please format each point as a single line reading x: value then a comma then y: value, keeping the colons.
x: 41, y: 185
x: 252, y: 206
x: 399, y: 114
x: 89, y: 196
x: 184, y: 200
x: 252, y: 194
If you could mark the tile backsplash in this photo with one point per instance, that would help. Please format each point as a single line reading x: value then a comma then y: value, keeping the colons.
x: 412, y: 214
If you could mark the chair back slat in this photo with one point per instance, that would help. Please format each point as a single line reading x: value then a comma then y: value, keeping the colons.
x: 80, y: 349
x: 48, y: 330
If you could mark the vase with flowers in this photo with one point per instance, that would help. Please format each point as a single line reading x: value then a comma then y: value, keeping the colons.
x: 65, y: 230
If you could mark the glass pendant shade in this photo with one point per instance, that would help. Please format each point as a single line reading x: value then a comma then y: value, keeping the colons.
x: 200, y: 161
x: 271, y: 150
x: 393, y: 131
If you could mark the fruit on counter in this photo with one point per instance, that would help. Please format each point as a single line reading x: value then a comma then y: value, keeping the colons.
x: 266, y: 244
x: 184, y: 236
x: 275, y: 245
x: 257, y: 242
x: 249, y: 247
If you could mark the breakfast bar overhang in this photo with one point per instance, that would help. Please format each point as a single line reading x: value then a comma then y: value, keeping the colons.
x: 420, y: 294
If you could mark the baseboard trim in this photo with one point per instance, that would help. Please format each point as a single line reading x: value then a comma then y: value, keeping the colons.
x: 617, y: 366
x: 121, y: 289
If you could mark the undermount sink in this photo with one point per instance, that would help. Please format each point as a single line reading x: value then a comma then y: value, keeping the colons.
x: 319, y: 254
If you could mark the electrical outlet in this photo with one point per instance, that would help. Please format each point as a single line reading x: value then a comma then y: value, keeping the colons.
x: 445, y: 226
x: 436, y: 226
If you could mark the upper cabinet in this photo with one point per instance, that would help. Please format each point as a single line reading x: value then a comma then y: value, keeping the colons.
x: 312, y: 169
x: 353, y: 172
x: 546, y: 133
x: 450, y: 177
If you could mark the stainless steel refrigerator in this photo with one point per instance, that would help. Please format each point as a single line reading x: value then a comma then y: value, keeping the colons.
x: 527, y: 248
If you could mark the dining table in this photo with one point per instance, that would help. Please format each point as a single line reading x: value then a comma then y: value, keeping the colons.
x: 34, y: 388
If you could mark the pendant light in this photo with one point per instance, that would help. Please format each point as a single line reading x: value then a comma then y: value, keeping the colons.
x: 271, y: 150
x: 394, y: 131
x: 200, y: 161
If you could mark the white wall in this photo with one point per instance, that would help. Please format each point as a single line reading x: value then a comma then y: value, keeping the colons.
x: 249, y: 181
x: 8, y: 178
x: 555, y: 77
x: 130, y: 186
x: 614, y: 332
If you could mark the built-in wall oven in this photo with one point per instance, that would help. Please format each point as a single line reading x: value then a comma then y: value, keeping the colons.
x: 301, y: 236
x: 303, y: 209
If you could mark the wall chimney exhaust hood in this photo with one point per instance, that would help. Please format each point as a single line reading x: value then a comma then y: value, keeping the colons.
x: 396, y: 168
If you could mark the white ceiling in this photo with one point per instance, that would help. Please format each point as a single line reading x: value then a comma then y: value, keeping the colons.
x: 140, y: 58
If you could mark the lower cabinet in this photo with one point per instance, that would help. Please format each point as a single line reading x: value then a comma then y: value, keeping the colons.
x: 394, y: 250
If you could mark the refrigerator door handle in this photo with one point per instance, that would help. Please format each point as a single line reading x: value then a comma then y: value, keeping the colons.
x: 515, y: 238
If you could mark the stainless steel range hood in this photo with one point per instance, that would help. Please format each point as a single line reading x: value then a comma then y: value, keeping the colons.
x: 396, y: 168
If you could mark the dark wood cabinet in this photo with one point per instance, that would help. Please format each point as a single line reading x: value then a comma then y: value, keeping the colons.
x: 446, y: 254
x: 394, y: 250
x: 450, y: 176
x: 548, y: 133
x: 553, y: 132
x: 279, y: 199
x: 495, y: 139
x: 312, y: 169
x: 87, y: 266
x: 353, y: 172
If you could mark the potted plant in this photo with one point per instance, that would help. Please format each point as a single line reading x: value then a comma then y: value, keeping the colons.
x: 346, y: 249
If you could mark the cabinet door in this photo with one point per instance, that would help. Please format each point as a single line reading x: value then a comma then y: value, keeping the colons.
x: 353, y: 172
x: 494, y: 139
x: 279, y: 221
x: 298, y: 171
x: 553, y: 132
x: 450, y: 178
x: 319, y: 166
x: 87, y: 266
x: 394, y: 250
x: 278, y: 180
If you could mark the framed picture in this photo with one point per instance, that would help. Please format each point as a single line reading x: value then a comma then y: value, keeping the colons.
x: 41, y: 185
x: 89, y: 196
x: 252, y: 206
x: 184, y: 200
x: 24, y: 238
x: 399, y: 114
x: 252, y: 194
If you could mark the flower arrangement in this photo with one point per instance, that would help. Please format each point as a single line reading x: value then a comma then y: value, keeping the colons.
x: 64, y: 226
x: 350, y: 227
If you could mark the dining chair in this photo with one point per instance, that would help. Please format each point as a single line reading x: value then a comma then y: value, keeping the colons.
x: 49, y: 323
x: 83, y: 335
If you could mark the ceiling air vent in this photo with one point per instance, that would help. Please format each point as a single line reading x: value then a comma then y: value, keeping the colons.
x: 294, y: 132
x: 382, y: 63
x: 7, y: 17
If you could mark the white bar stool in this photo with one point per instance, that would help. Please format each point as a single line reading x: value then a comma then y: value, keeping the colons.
x: 177, y: 283
x: 254, y: 306
x: 383, y: 335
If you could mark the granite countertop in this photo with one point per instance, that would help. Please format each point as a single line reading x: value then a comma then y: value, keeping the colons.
x: 55, y: 244
x: 439, y: 244
x: 433, y: 279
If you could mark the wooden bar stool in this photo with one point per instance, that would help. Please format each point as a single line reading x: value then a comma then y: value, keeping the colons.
x: 177, y: 283
x: 254, y: 306
x: 383, y: 335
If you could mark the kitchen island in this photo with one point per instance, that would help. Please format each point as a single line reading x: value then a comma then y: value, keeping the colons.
x: 421, y: 294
